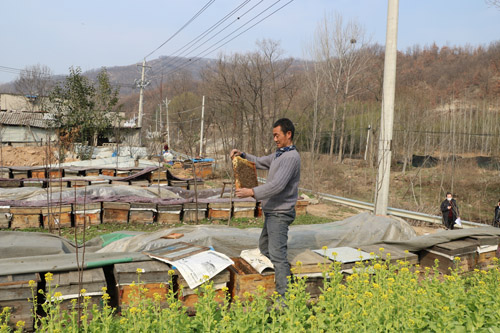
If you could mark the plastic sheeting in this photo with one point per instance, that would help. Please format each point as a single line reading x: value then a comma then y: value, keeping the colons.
x: 358, y: 230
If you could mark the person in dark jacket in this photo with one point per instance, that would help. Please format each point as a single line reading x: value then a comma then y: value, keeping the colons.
x: 496, y: 220
x: 450, y: 211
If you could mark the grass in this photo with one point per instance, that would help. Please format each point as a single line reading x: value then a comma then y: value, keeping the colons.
x: 103, y: 229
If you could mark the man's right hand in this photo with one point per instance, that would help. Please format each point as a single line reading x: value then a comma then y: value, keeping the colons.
x: 234, y: 152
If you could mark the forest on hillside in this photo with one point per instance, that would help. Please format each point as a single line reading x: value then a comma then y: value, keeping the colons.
x: 447, y: 98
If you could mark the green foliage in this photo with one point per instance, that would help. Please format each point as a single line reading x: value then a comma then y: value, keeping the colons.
x: 377, y: 297
x: 82, y: 110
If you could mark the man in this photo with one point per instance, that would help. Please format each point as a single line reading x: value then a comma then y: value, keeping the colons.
x: 449, y: 208
x: 279, y: 196
x: 496, y: 219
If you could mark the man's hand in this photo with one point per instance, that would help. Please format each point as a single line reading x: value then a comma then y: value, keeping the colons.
x: 234, y: 152
x: 449, y: 207
x: 244, y: 193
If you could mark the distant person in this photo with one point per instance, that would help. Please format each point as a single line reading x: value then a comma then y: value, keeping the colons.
x: 450, y: 211
x: 496, y: 220
x: 167, y: 155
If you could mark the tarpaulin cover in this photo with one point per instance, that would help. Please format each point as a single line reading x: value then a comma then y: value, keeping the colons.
x: 361, y: 229
x: 442, y: 236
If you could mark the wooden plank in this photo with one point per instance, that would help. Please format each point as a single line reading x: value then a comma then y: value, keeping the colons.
x: 26, y: 210
x: 483, y: 240
x: 467, y: 261
x: 244, y: 213
x: 23, y: 221
x: 108, y: 172
x: 19, y: 174
x: 301, y: 207
x: 115, y: 216
x: 127, y: 295
x: 309, y: 261
x: 56, y: 209
x: 244, y: 278
x: 10, y: 183
x: 93, y: 281
x: 55, y: 173
x: 87, y: 206
x: 92, y: 172
x: 455, y: 248
x: 119, y: 182
x: 20, y: 309
x: 177, y: 251
x: 396, y: 253
x: 116, y: 205
x: 143, y: 205
x: 38, y: 174
x: 141, y: 216
x: 218, y: 214
x: 79, y: 183
x: 190, y: 301
x: 56, y: 220
x: 88, y: 218
x: 154, y: 271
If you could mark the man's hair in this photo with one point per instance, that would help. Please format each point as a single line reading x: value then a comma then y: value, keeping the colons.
x: 286, y: 125
x: 449, y: 193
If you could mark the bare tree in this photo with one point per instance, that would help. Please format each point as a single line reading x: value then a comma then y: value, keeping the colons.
x: 341, y: 46
x: 34, y: 83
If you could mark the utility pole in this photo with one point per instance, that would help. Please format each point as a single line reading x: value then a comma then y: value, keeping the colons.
x: 167, y: 102
x: 387, y: 118
x: 141, y: 84
x: 202, y: 119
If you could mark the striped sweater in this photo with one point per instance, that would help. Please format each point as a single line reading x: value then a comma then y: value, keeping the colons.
x: 280, y: 192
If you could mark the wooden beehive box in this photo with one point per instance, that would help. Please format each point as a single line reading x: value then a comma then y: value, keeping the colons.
x: 203, y: 169
x: 56, y: 217
x: 89, y: 213
x: 160, y: 174
x: 219, y: 210
x: 5, y: 217
x: 189, y: 211
x: 142, y: 183
x: 93, y: 281
x: 155, y: 278
x: 244, y: 209
x: 56, y: 173
x: 301, y: 207
x: 200, y: 184
x: 115, y: 212
x: 19, y: 174
x: 122, y: 173
x: 179, y: 183
x: 142, y: 213
x: 91, y: 172
x: 25, y: 217
x: 396, y: 254
x: 243, y: 277
x: 57, y: 183
x: 39, y: 173
x: 14, y: 293
x: 487, y: 247
x: 169, y: 214
x: 245, y: 173
x: 108, y: 172
x: 72, y: 172
x: 33, y: 183
x: 79, y: 183
x: 4, y: 172
x: 446, y: 252
x: 10, y: 183
x: 189, y: 296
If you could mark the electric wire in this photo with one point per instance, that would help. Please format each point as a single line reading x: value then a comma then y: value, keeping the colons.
x: 208, y: 4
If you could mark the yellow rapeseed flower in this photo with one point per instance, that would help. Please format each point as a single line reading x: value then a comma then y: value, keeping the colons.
x: 57, y: 294
x: 404, y: 270
x: 49, y: 277
x: 246, y: 294
x: 298, y: 263
x: 292, y: 297
x: 104, y: 289
x: 140, y: 270
x: 32, y: 283
x: 206, y: 277
x: 456, y: 259
x: 83, y: 291
x: 20, y: 323
x: 375, y: 285
x: 406, y: 251
x: 381, y: 249
x: 325, y: 248
x: 171, y: 272
x: 377, y: 266
x: 368, y: 294
x: 372, y: 254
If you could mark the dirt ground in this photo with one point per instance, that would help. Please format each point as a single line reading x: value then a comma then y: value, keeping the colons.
x: 27, y: 156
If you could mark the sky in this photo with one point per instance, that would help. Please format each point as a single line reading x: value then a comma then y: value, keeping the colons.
x: 96, y: 33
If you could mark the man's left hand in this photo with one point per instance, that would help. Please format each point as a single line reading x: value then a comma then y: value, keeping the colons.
x: 244, y: 192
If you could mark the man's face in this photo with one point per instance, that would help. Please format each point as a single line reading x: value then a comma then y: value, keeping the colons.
x: 282, y: 139
x: 449, y: 196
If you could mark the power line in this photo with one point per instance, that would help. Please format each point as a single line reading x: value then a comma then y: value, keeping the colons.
x: 227, y: 26
x: 210, y: 50
x: 208, y: 4
x: 210, y: 29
